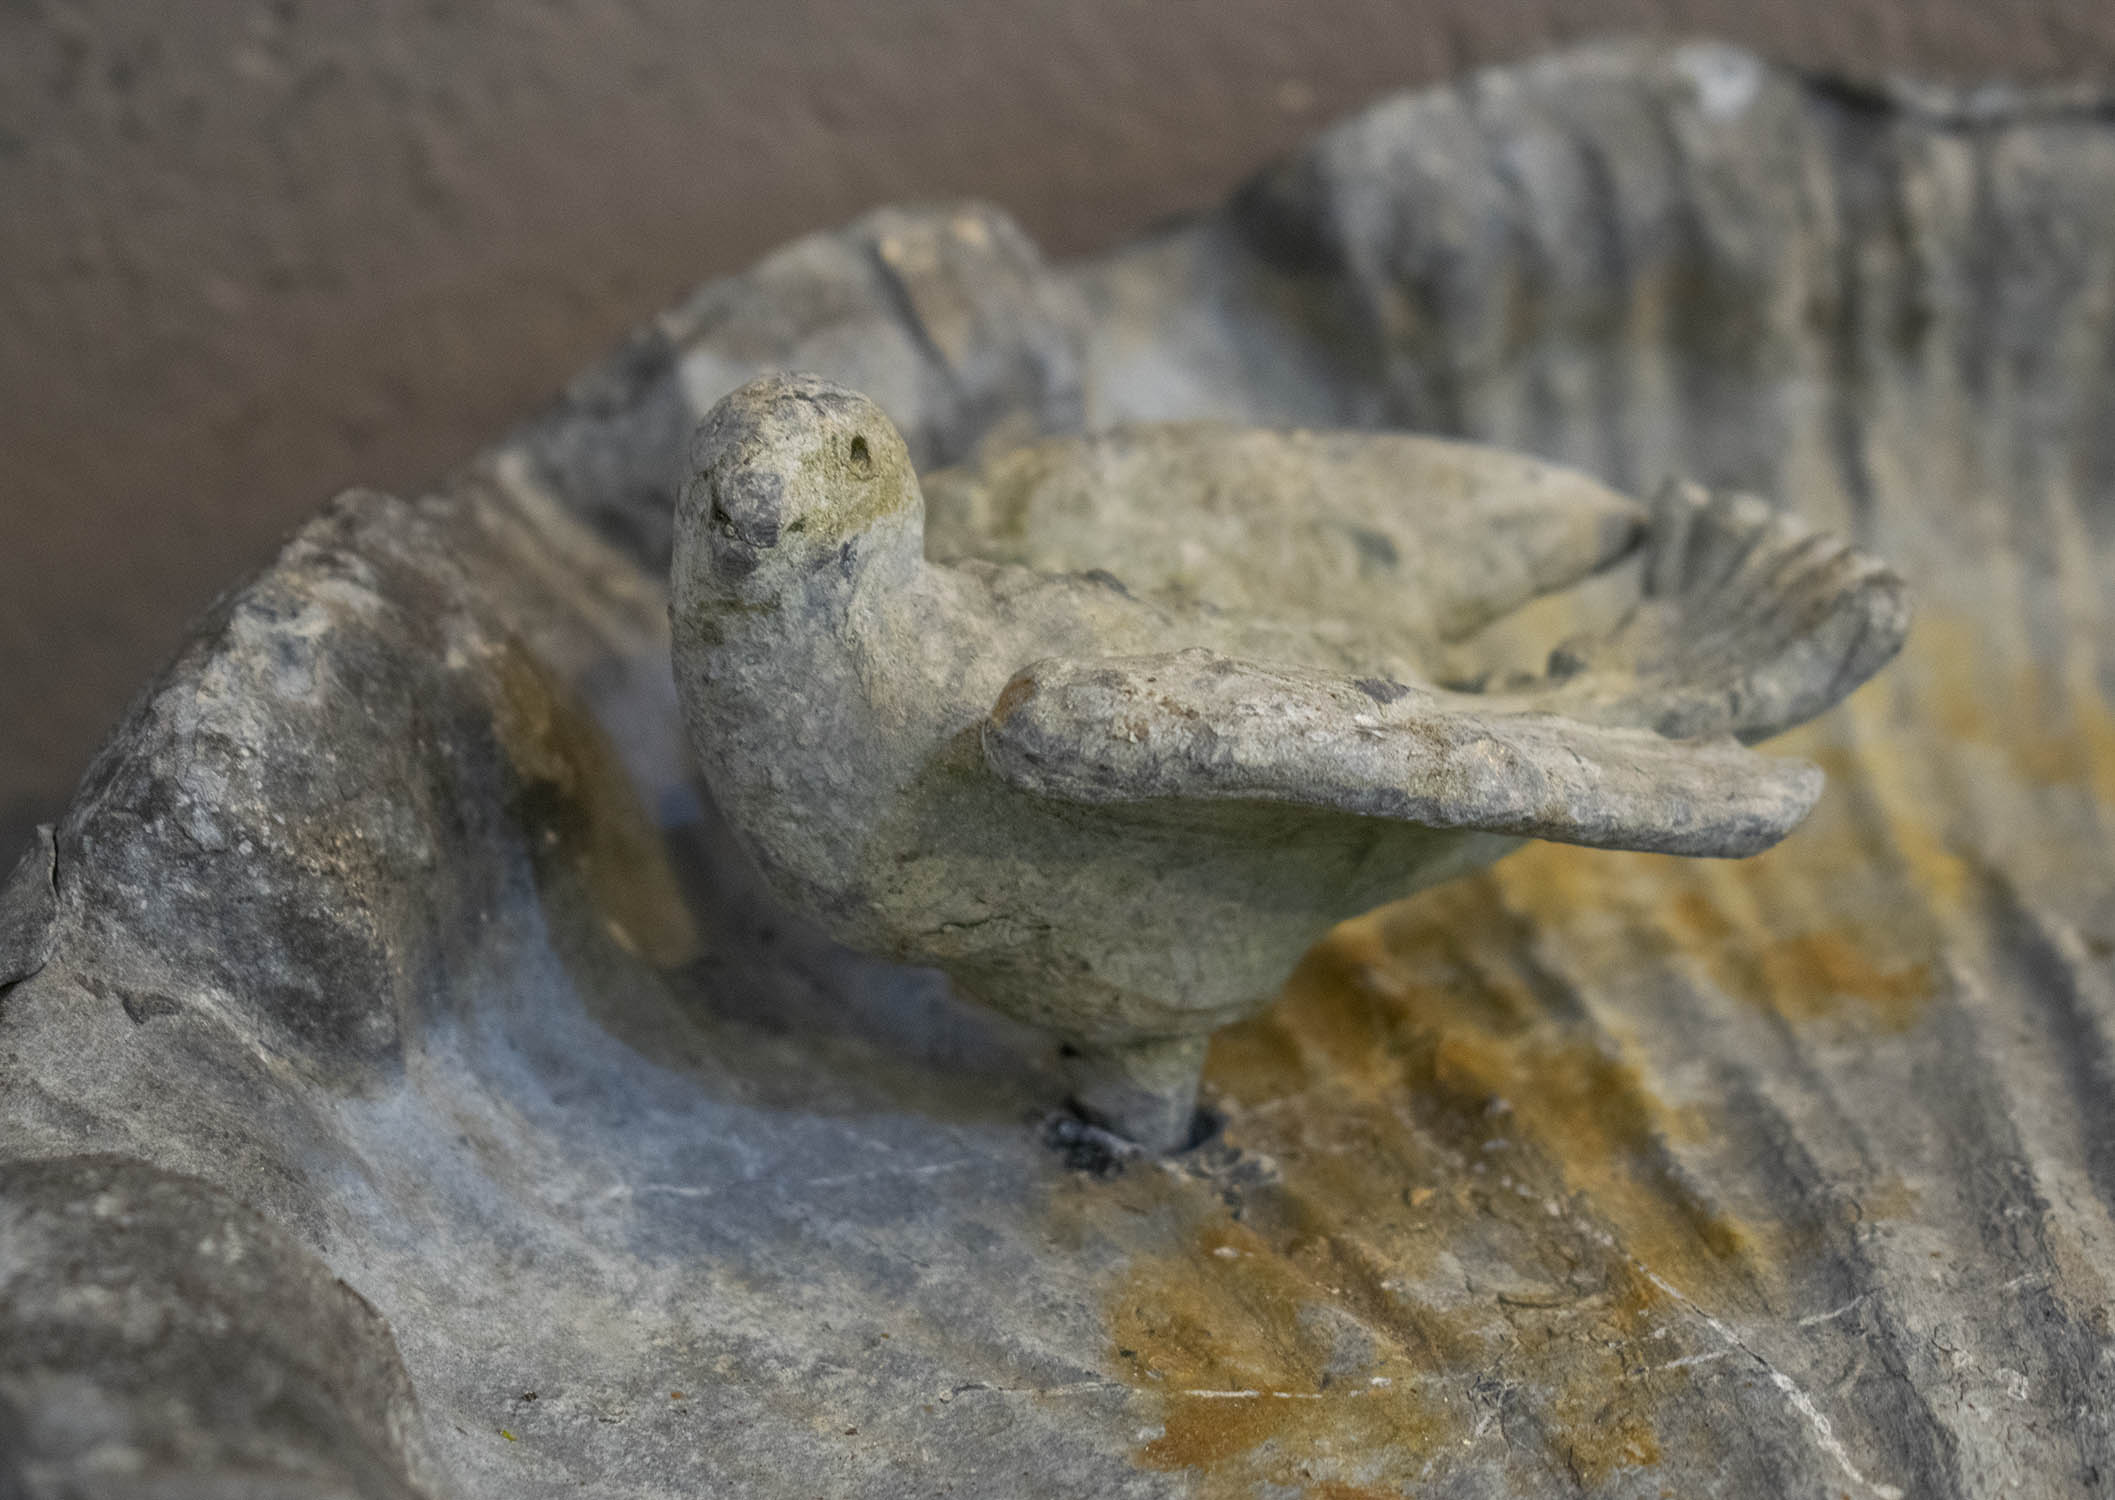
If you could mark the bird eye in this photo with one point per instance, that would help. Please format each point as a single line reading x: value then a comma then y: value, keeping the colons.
x: 862, y: 460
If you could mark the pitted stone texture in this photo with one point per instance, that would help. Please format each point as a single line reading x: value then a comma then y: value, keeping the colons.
x: 163, y: 1339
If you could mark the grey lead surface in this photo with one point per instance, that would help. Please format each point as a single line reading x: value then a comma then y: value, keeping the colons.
x: 388, y: 944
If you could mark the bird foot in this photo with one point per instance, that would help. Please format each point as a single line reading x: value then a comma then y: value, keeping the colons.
x: 1144, y: 1091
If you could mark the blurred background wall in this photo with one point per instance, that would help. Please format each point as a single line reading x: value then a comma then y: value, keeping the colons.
x: 252, y: 251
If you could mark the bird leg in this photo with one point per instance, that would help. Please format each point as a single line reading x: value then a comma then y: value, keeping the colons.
x: 1145, y: 1091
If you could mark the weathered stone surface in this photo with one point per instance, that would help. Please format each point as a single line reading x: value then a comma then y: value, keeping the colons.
x: 28, y: 902
x: 1594, y: 1173
x: 1066, y: 794
x: 162, y: 1339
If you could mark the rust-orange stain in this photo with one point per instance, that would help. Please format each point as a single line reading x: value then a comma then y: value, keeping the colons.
x: 2051, y: 731
x: 1426, y: 1112
x: 1435, y: 1097
x: 1842, y: 973
x: 1476, y: 1175
x: 1433, y: 1100
x: 576, y: 801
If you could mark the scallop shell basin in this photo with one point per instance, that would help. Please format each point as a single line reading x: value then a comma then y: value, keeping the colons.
x: 404, y: 1091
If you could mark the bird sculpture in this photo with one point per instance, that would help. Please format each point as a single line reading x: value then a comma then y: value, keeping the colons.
x: 1125, y: 722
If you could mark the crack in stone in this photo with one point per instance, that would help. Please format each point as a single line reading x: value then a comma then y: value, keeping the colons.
x: 1824, y: 1431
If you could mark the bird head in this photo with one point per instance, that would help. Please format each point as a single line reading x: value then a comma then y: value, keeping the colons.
x: 793, y: 478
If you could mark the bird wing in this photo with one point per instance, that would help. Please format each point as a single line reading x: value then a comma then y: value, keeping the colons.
x: 1750, y: 622
x: 1409, y: 540
x: 1196, y: 725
